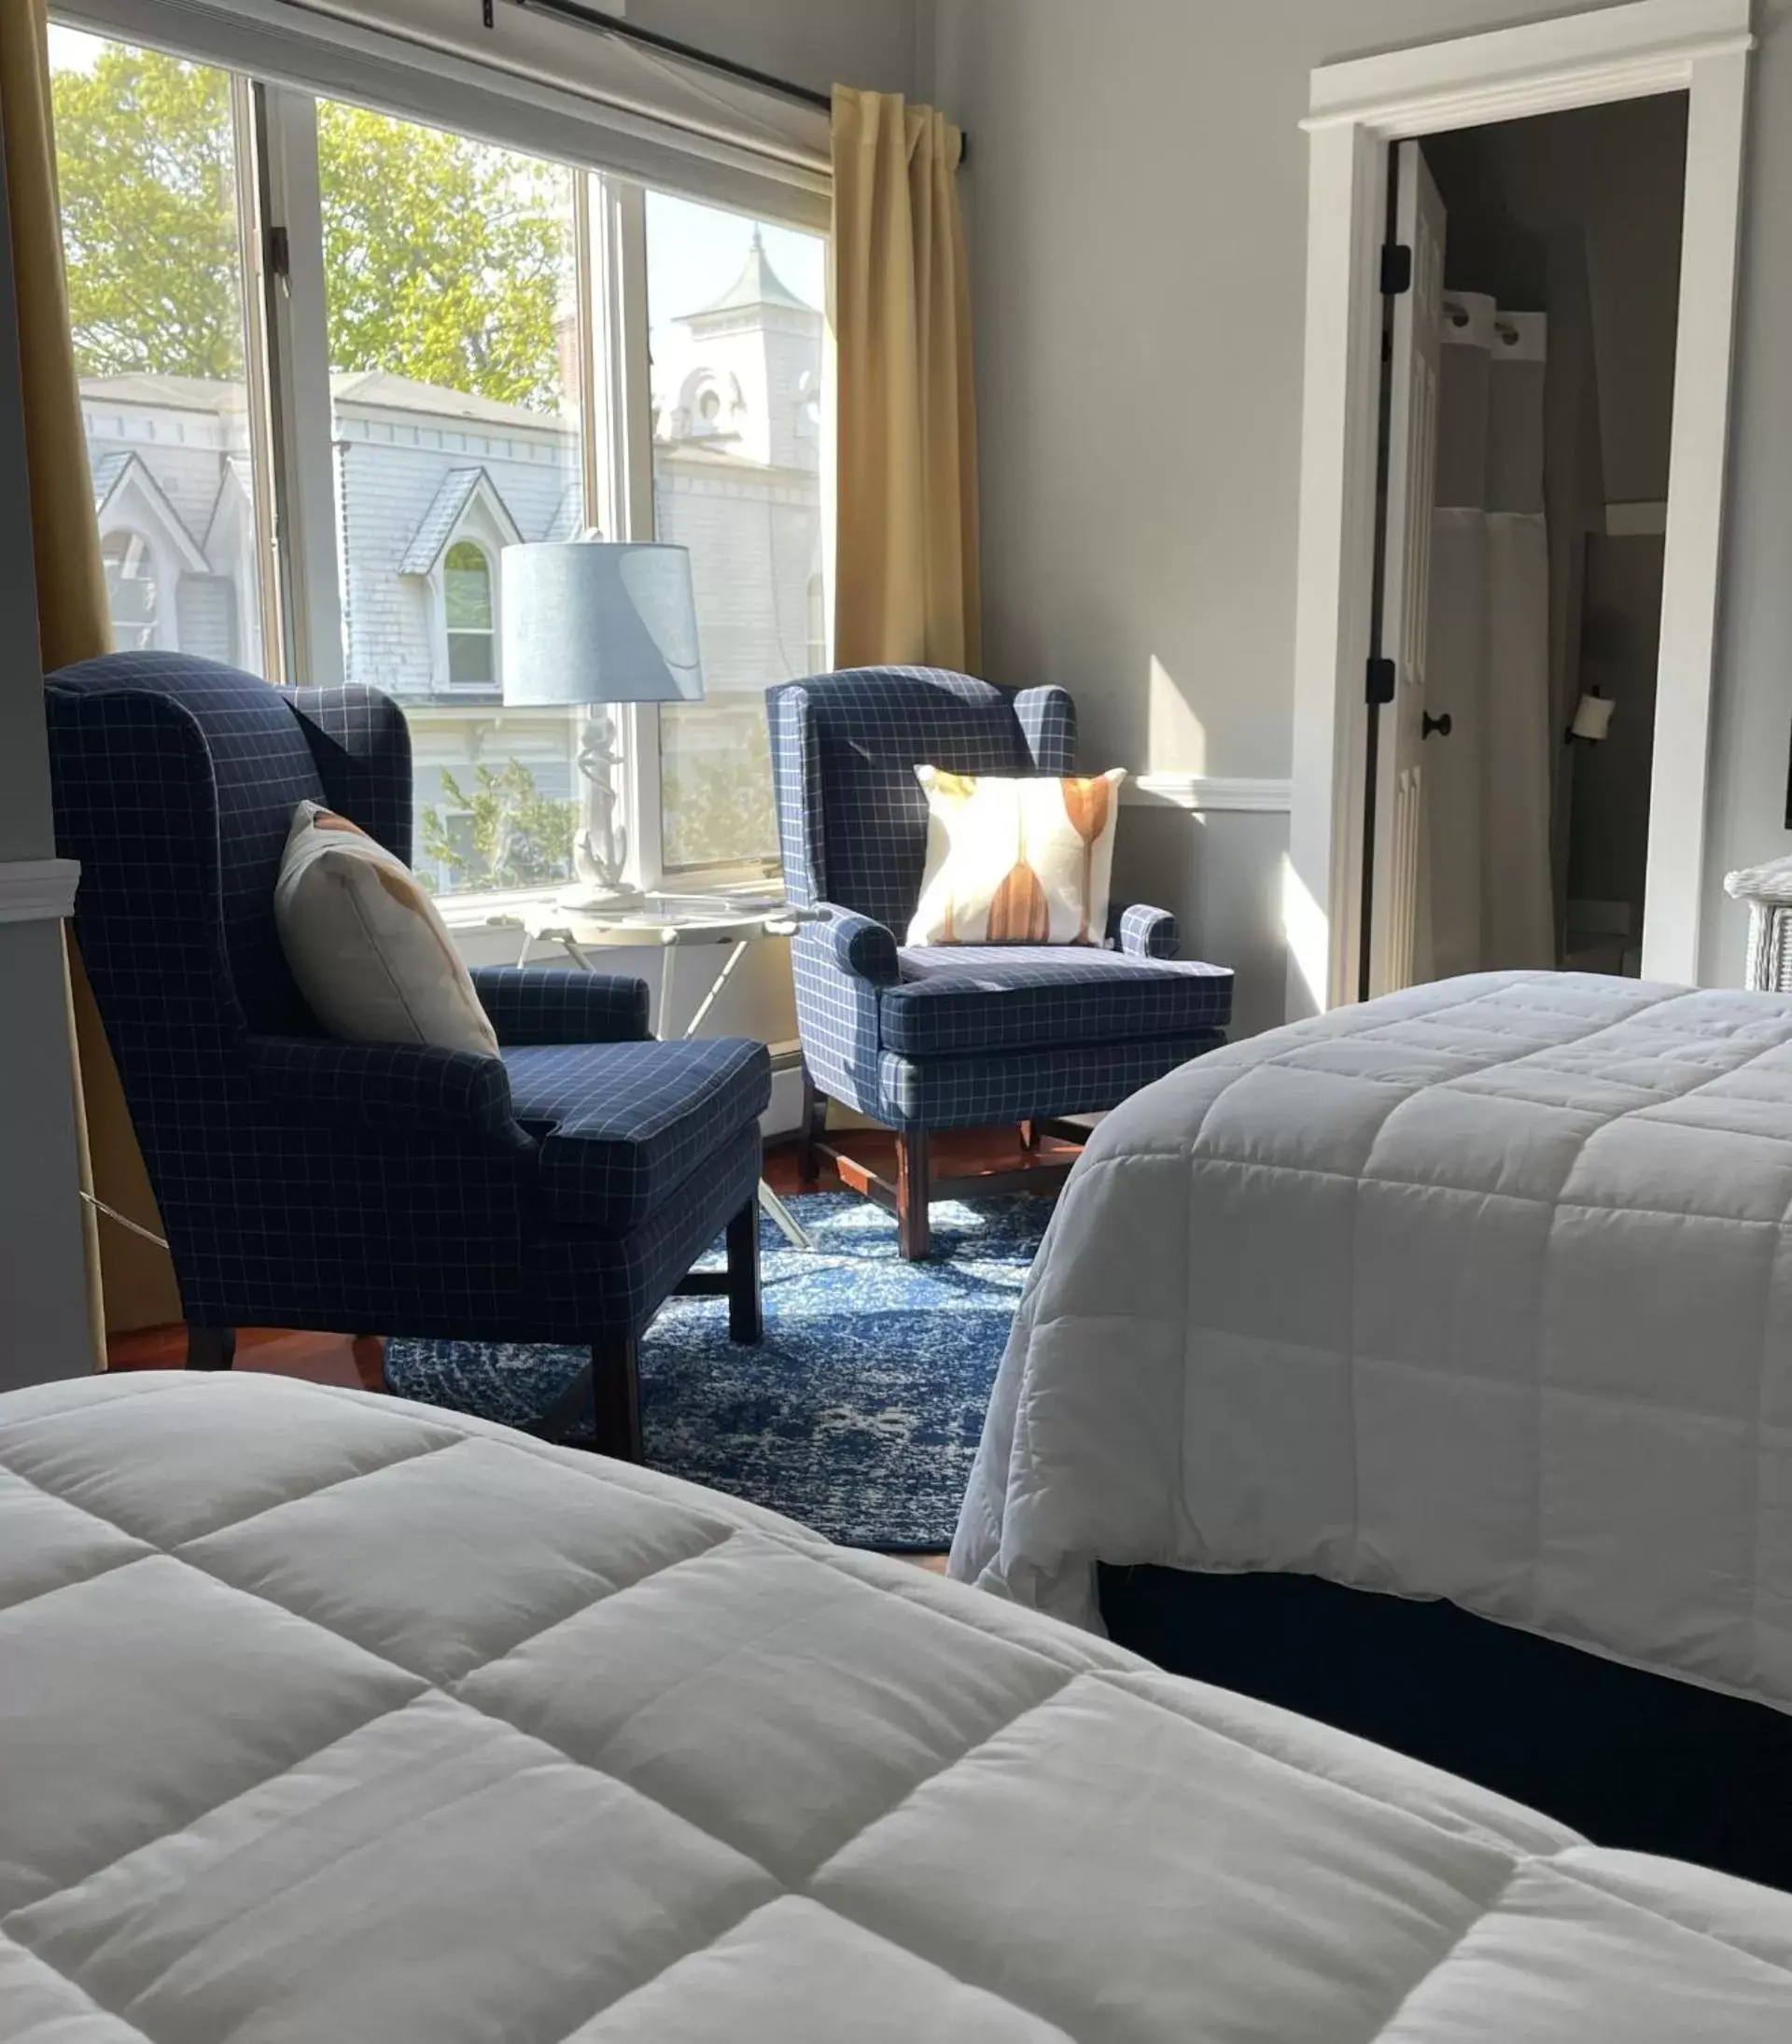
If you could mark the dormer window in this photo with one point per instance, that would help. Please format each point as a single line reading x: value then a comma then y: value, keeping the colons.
x: 129, y: 589
x: 467, y: 602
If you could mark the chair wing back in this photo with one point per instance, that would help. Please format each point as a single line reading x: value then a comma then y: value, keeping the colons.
x: 173, y: 781
x: 360, y: 745
x: 851, y: 817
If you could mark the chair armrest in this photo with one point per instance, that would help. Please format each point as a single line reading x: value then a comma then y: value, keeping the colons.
x: 858, y: 945
x: 527, y: 1006
x: 1145, y: 933
x: 403, y: 1087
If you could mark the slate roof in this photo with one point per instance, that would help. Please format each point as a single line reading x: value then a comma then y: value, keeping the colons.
x: 108, y: 472
x: 439, y: 522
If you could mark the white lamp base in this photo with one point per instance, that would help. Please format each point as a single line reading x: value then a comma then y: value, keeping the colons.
x: 595, y: 903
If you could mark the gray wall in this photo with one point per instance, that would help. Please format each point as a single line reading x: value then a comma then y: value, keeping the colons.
x: 43, y: 1295
x: 1753, y: 712
x: 1137, y: 204
x: 1620, y: 636
x: 885, y: 45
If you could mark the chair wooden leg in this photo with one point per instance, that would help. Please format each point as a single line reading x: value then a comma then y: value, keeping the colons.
x: 815, y: 1124
x: 210, y: 1347
x: 912, y: 1232
x: 746, y: 1316
x: 1030, y: 1135
x: 616, y: 1396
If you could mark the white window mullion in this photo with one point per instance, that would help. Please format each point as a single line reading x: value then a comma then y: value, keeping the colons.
x: 272, y: 651
x: 299, y: 376
x: 623, y: 431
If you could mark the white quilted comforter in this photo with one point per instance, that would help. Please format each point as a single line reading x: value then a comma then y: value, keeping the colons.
x: 330, y: 1721
x: 1480, y: 1291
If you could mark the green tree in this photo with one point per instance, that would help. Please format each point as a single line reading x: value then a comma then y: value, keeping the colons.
x: 444, y: 256
x: 149, y: 216
x: 517, y: 836
x: 716, y: 802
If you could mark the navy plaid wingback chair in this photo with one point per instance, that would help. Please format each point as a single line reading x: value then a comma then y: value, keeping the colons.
x: 557, y: 1193
x: 952, y: 1036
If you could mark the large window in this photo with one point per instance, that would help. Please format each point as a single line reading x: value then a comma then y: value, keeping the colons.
x: 334, y: 362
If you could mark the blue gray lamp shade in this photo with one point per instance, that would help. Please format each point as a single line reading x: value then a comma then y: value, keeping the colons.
x: 595, y: 621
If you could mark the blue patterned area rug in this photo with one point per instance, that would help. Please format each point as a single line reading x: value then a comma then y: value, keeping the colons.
x: 860, y: 1412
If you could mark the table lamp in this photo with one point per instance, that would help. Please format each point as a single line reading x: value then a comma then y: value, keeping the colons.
x: 586, y: 623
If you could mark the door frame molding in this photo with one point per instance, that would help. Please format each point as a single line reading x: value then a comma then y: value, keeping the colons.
x: 1358, y: 110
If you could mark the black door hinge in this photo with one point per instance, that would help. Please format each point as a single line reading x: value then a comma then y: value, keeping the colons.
x: 1380, y: 679
x: 1396, y: 269
x: 488, y: 13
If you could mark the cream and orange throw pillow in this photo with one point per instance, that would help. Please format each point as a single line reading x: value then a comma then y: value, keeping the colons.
x: 366, y: 945
x: 1017, y: 861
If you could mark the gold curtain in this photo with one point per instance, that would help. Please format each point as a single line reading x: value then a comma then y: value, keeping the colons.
x: 130, y: 1283
x: 907, y: 584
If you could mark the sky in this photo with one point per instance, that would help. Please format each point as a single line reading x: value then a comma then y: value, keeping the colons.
x: 70, y: 50
x: 695, y: 252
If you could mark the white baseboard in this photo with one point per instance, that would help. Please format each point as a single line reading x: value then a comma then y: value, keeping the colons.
x: 38, y: 890
x: 784, y: 1116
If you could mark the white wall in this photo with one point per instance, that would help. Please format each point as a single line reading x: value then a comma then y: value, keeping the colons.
x: 1137, y: 197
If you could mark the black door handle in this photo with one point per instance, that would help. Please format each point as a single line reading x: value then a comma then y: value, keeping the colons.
x: 1428, y: 723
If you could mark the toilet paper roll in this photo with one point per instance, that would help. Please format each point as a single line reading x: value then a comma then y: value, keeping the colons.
x: 1593, y: 717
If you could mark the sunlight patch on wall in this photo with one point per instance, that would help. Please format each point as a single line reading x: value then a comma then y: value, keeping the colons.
x: 1308, y: 928
x: 1176, y: 740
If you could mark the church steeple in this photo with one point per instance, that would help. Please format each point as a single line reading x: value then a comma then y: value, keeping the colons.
x: 741, y: 374
x: 757, y: 285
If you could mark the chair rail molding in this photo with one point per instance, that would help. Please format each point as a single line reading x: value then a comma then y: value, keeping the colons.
x: 1209, y: 793
x: 38, y: 890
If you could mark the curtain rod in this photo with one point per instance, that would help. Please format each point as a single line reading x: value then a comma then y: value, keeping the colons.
x: 631, y: 32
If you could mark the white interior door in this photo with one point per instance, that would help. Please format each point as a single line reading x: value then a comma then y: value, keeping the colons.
x: 1412, y: 469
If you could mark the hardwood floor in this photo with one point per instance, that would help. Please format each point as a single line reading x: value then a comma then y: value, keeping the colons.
x: 359, y: 1362
x: 322, y: 1359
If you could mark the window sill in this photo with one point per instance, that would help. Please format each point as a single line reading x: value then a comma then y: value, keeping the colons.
x: 497, y: 908
x: 475, y: 920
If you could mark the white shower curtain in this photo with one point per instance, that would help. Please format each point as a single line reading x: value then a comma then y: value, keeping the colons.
x: 1487, y: 899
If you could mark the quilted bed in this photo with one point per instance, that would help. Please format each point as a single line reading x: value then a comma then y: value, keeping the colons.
x: 1480, y: 1292
x: 327, y: 1717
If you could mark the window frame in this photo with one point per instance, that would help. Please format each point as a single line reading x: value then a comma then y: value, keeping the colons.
x: 492, y: 678
x: 287, y: 361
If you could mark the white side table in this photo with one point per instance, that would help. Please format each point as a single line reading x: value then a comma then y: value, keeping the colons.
x: 1767, y: 892
x: 671, y: 928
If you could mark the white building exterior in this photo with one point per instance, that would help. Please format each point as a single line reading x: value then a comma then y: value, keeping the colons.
x: 433, y: 483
